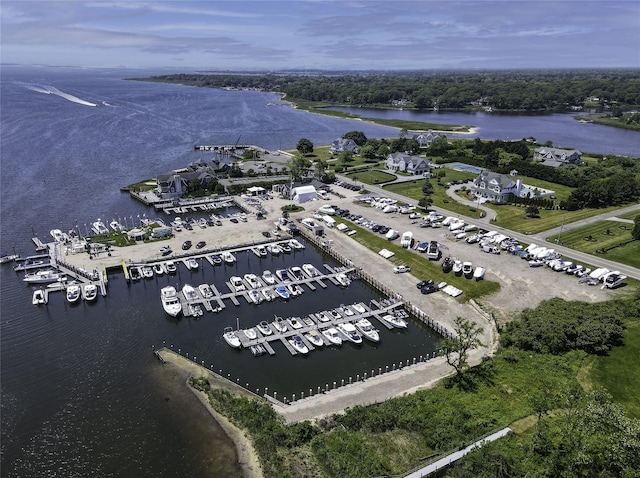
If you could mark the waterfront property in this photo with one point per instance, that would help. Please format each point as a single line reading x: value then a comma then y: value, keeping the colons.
x: 402, y: 162
x: 555, y: 157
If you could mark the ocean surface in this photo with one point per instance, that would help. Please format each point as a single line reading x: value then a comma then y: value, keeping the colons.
x: 81, y: 392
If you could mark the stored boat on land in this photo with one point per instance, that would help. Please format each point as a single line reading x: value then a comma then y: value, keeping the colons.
x: 447, y: 264
x: 478, y: 274
x: 457, y: 267
x: 467, y: 269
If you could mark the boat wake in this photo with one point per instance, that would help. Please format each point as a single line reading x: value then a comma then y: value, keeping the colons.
x: 50, y: 90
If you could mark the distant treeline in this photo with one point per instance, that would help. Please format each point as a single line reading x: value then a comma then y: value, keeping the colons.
x: 503, y: 90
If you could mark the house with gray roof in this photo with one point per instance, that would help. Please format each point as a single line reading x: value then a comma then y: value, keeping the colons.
x: 342, y: 144
x: 408, y: 164
x: 175, y: 184
x: 425, y: 138
x: 556, y: 157
x: 496, y: 187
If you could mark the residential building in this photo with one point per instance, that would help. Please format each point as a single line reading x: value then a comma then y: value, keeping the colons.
x: 496, y: 187
x: 408, y: 164
x: 555, y: 157
x: 342, y: 144
x: 425, y: 138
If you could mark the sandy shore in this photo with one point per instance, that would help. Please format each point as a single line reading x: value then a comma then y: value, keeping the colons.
x: 247, y: 457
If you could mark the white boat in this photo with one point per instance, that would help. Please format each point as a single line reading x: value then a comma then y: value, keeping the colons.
x: 283, y: 275
x: 295, y: 323
x: 116, y: 226
x: 346, y: 311
x: 613, y: 280
x: 282, y: 292
x: 280, y: 325
x: 294, y: 289
x: 296, y: 244
x: 264, y: 328
x: 236, y: 284
x: 195, y: 310
x: 457, y: 267
x: 42, y: 277
x: 274, y: 249
x: 58, y: 235
x: 478, y: 273
x: 298, y: 344
x: 407, y: 240
x: 189, y: 292
x: 314, y: 337
x: 192, y: 264
x: 228, y: 257
x: 8, y: 258
x: 252, y: 280
x: 170, y: 267
x: 135, y: 273
x: 348, y: 330
x: 323, y: 316
x: 343, y: 280
x: 99, y: 228
x: 268, y: 277
x: 395, y: 321
x: 73, y: 293
x: 250, y: 333
x: 433, y: 251
x: 158, y: 269
x: 231, y: 338
x: 536, y: 263
x: 359, y: 308
x: 147, y: 272
x: 392, y: 234
x: 39, y: 297
x: 295, y: 273
x: 368, y: 331
x: 89, y: 292
x: 268, y: 294
x: 260, y: 251
x: 256, y: 296
x: 170, y: 300
x: 205, y: 291
x: 467, y: 269
x: 285, y: 247
x: 310, y: 270
x: 333, y: 336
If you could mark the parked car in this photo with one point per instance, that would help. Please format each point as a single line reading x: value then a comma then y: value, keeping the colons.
x: 424, y: 283
x: 200, y: 245
x: 186, y: 245
x: 429, y: 288
x: 165, y: 250
x: 401, y: 269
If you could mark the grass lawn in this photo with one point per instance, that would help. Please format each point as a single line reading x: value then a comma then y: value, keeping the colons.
x: 604, y: 235
x: 372, y: 176
x: 618, y: 372
x: 421, y: 267
x: 630, y: 215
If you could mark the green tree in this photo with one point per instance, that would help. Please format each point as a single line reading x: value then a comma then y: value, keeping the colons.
x: 319, y: 168
x: 298, y: 167
x: 532, y: 211
x: 635, y: 233
x: 456, y: 349
x: 304, y: 146
x: 345, y: 157
x: 358, y: 137
x: 235, y: 171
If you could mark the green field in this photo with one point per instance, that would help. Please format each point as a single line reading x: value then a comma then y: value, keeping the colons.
x: 629, y: 215
x: 371, y: 176
x: 611, y: 236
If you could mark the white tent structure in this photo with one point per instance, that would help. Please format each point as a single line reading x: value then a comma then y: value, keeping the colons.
x: 304, y: 194
x: 256, y: 191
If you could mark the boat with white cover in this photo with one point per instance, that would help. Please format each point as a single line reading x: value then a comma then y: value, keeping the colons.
x: 350, y: 333
x: 333, y: 336
x: 231, y: 338
x: 478, y: 273
x: 368, y: 331
x: 250, y: 333
x: 407, y: 240
x: 315, y: 338
x: 170, y: 300
x: 359, y: 308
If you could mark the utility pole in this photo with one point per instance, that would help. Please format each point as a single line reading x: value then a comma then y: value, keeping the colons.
x: 561, y: 227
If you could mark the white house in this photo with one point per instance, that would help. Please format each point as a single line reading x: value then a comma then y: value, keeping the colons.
x: 406, y: 163
x: 496, y: 187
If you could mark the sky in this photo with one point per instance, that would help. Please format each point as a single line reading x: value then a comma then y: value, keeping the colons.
x: 322, y: 34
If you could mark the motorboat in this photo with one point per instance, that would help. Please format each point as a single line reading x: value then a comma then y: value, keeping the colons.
x: 294, y: 289
x: 457, y: 267
x: 89, y: 292
x: 395, y: 321
x: 99, y: 228
x: 5, y: 258
x: 335, y: 315
x: 216, y: 259
x: 359, y: 308
x: 274, y: 249
x: 195, y: 310
x: 192, y: 264
x: 231, y: 338
x: 295, y: 273
x: 256, y: 296
x: 236, y: 284
x: 158, y: 269
x: 368, y: 331
x: 116, y: 226
x: 343, y: 279
x: 268, y: 277
x: 228, y: 257
x: 250, y: 333
x: 260, y: 251
x: 323, y: 316
x: 268, y: 294
x: 170, y: 267
x: 283, y: 275
x: 346, y: 311
x: 333, y: 336
x: 447, y: 264
x: 39, y: 297
x: 314, y: 337
x: 264, y: 328
x: 280, y: 325
x: 147, y: 272
x: 478, y: 273
x: 308, y: 321
x: 433, y: 252
x: 135, y: 273
x: 282, y: 292
x: 295, y: 323
x: 310, y: 270
x: 536, y: 263
x: 467, y: 269
x: 296, y: 244
x: 58, y: 235
x: 422, y: 247
x: 407, y: 240
x: 285, y: 247
x: 350, y: 333
x: 613, y: 280
x: 392, y: 234
x: 298, y: 344
x: 189, y: 292
x: 205, y: 291
x: 252, y: 280
x: 42, y: 277
x: 73, y: 293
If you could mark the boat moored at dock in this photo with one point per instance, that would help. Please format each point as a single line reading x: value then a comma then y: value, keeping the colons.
x: 368, y: 331
x: 170, y: 301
